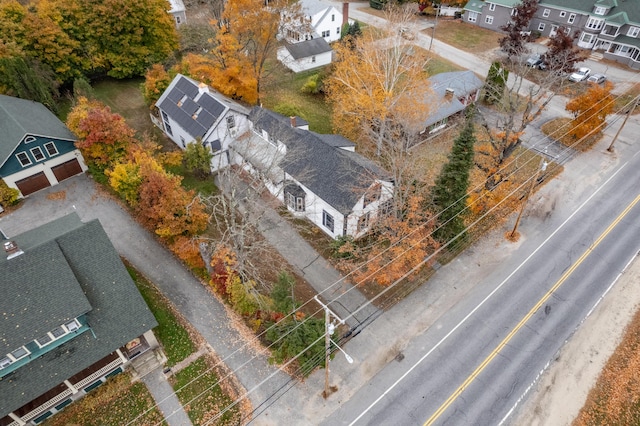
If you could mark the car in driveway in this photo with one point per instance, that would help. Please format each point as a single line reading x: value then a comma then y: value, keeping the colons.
x: 534, y: 61
x: 580, y: 75
x: 597, y: 78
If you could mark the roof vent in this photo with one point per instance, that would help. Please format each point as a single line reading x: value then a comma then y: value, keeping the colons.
x: 449, y: 92
x: 12, y: 249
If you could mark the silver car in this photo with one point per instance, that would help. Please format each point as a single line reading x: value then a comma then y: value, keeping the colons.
x: 597, y: 78
x: 580, y: 75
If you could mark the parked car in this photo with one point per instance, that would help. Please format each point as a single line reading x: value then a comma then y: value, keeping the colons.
x: 597, y: 78
x: 534, y: 60
x: 580, y: 75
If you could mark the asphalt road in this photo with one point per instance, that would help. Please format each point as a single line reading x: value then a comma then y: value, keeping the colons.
x: 478, y: 360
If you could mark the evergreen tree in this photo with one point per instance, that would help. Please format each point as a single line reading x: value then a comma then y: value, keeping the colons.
x: 495, y: 83
x: 450, y: 191
x: 28, y: 79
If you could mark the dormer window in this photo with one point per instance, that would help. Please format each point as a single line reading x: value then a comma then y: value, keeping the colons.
x: 29, y: 139
x: 182, y: 100
x: 195, y: 114
x: 599, y: 10
x: 58, y: 332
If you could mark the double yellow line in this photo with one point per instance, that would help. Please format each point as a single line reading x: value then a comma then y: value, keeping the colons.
x: 526, y: 318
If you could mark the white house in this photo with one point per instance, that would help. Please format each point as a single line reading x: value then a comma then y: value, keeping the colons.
x: 305, y: 55
x: 178, y: 11
x: 318, y: 177
x: 322, y: 20
x: 452, y: 92
x: 190, y: 110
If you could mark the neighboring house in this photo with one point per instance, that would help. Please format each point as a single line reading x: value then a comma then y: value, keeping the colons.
x: 452, y: 92
x: 319, y: 177
x: 178, y: 12
x: 36, y: 148
x: 305, y: 55
x: 71, y: 318
x: 609, y: 26
x: 190, y: 110
x: 321, y: 20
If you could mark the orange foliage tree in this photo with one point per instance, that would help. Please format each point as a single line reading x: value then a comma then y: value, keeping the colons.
x: 590, y: 110
x: 406, y: 243
x: 156, y: 80
x: 103, y: 136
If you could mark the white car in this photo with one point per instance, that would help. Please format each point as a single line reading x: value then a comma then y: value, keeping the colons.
x: 580, y: 75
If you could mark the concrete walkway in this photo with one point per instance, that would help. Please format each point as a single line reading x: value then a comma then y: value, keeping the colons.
x: 166, y: 400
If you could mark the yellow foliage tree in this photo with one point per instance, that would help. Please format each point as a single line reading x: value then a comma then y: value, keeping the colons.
x: 590, y: 110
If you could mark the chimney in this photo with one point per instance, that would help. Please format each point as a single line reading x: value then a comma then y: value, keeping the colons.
x: 345, y: 13
x: 12, y: 250
x: 293, y: 120
x: 449, y: 92
x: 202, y: 88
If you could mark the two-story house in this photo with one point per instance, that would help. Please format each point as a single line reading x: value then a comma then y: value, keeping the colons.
x: 71, y: 318
x: 318, y: 177
x: 36, y: 149
x: 610, y: 27
x: 190, y: 111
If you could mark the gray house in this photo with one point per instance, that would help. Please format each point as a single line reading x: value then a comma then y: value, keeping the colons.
x: 452, y: 92
x: 71, y: 318
x: 609, y: 27
x: 318, y: 177
x: 36, y: 148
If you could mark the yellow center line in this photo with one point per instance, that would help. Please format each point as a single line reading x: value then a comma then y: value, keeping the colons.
x: 526, y: 318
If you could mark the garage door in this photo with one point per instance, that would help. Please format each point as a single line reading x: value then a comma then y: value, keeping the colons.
x: 33, y: 183
x: 66, y: 170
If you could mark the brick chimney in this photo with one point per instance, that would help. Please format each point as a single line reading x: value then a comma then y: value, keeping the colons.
x: 202, y: 88
x: 12, y: 250
x: 293, y: 120
x: 345, y: 13
x: 448, y: 95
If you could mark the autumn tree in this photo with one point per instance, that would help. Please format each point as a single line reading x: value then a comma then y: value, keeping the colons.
x: 590, y: 110
x: 103, y: 136
x: 156, y: 81
x: 562, y: 53
x: 196, y: 37
x: 517, y: 29
x: 197, y: 159
x: 450, y: 191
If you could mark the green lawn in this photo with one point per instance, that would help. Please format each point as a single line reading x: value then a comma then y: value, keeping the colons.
x: 202, y: 397
x: 114, y: 403
x: 465, y: 36
x: 438, y: 64
x: 172, y: 335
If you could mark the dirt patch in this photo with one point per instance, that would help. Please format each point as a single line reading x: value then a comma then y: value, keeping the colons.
x: 59, y: 195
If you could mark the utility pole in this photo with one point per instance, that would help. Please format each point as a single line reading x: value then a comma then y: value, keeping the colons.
x: 329, y: 328
x: 626, y: 117
x: 433, y: 32
x: 541, y: 168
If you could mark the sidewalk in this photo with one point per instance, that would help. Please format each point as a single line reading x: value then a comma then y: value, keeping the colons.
x: 167, y: 401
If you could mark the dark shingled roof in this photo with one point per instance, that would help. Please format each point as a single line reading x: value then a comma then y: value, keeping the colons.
x: 115, y: 309
x: 462, y: 83
x: 307, y: 48
x: 20, y: 117
x: 337, y: 176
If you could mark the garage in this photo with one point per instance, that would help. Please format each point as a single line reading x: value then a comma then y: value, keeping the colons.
x: 33, y: 183
x: 67, y: 169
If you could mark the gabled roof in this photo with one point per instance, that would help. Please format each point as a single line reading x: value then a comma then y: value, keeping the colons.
x: 461, y: 82
x: 307, y: 48
x: 338, y: 176
x: 474, y: 6
x: 185, y: 97
x: 311, y: 7
x: 176, y: 6
x: 116, y: 311
x: 20, y: 117
x: 631, y: 9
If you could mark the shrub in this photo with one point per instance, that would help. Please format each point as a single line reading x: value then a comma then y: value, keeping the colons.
x: 313, y: 85
x: 8, y: 196
x: 287, y: 110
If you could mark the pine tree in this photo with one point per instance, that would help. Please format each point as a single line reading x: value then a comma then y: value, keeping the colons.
x: 450, y: 191
x: 495, y: 83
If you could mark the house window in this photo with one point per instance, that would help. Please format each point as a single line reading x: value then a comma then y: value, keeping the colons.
x: 563, y: 14
x: 333, y: 18
x: 177, y: 19
x: 168, y: 128
x: 541, y: 26
x: 514, y: 12
x: 546, y: 13
x: 595, y: 23
x: 492, y: 7
x: 23, y: 158
x: 19, y: 353
x: 363, y: 222
x: 313, y: 59
x: 572, y: 18
x: 586, y: 37
x: 295, y: 203
x: 58, y: 332
x: 600, y: 10
x: 338, y: 30
x: 488, y: 19
x: 327, y: 220
x: 386, y: 208
x: 51, y: 149
x: 182, y: 142
x: 473, y: 17
x: 72, y: 325
x: 231, y: 121
x: 326, y: 33
x: 165, y: 117
x: 37, y: 153
x: 5, y: 362
x: 29, y: 139
x: 633, y: 31
x: 44, y: 340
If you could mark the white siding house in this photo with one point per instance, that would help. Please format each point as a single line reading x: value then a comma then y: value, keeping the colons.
x: 305, y: 55
x: 178, y: 11
x: 190, y: 110
x: 318, y: 177
x: 322, y: 20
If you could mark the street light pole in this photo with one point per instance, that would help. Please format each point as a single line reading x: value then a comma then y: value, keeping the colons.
x: 541, y: 168
x: 329, y: 328
x: 626, y: 117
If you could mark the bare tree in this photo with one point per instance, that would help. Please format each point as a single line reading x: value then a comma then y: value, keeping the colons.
x: 517, y: 29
